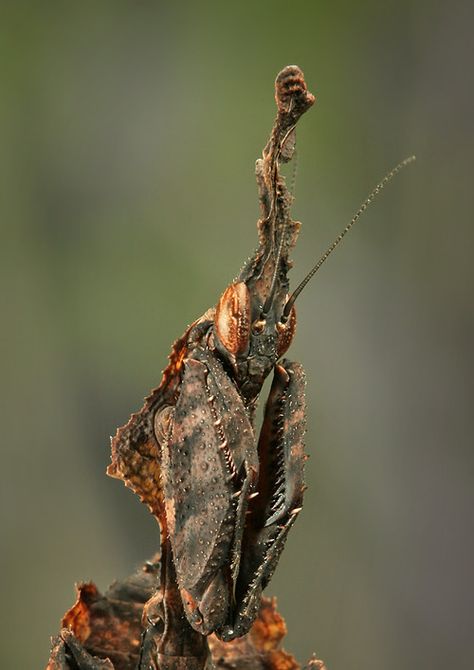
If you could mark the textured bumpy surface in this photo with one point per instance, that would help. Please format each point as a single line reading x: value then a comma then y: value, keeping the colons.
x: 225, y: 497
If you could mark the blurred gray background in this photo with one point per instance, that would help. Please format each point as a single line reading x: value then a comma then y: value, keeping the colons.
x: 128, y: 134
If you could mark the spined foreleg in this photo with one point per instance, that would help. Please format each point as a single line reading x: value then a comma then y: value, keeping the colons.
x: 280, y: 491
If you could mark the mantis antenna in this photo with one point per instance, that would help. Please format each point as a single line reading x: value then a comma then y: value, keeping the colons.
x: 355, y: 218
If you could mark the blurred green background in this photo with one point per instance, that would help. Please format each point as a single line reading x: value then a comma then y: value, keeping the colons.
x: 128, y: 134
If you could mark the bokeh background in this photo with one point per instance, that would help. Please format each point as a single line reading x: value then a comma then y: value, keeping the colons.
x: 128, y: 134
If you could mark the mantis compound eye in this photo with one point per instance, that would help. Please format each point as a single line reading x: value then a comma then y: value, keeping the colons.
x: 285, y: 331
x: 232, y: 319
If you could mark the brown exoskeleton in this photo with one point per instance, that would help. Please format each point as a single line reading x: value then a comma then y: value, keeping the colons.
x: 224, y: 497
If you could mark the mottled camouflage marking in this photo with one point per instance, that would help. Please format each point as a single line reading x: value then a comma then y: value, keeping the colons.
x: 200, y: 513
x: 225, y: 503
